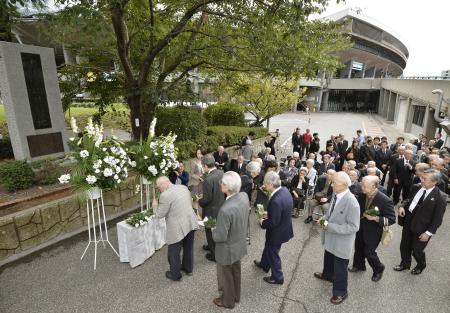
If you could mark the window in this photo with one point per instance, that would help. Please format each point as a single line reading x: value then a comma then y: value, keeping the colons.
x: 418, y: 114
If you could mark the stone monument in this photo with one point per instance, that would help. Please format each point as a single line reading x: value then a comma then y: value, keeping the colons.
x: 31, y: 97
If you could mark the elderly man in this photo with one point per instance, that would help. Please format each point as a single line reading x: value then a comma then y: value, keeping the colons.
x: 371, y: 228
x: 175, y: 205
x: 212, y: 199
x: 402, y: 173
x: 278, y: 225
x: 221, y: 158
x: 420, y: 215
x: 340, y: 225
x: 322, y: 195
x: 230, y: 236
x: 326, y: 164
x: 355, y: 187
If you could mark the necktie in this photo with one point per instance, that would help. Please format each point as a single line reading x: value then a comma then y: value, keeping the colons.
x: 333, y: 205
x: 421, y: 198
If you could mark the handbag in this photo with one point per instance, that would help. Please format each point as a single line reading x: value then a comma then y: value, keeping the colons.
x: 388, y: 235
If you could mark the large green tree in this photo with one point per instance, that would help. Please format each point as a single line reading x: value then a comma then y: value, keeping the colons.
x: 150, y: 46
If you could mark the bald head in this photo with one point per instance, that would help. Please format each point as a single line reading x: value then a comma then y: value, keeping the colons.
x: 162, y: 183
x: 437, y: 164
x: 341, y: 182
x: 371, y: 164
x: 371, y: 171
x: 330, y: 174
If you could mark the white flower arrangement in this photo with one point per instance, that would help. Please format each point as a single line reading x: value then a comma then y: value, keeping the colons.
x: 100, y: 163
x: 140, y: 218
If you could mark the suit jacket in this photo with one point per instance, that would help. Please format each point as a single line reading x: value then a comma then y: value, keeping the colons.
x: 278, y: 224
x: 296, y: 141
x: 323, y: 168
x: 247, y: 185
x: 429, y: 214
x: 321, y: 181
x: 230, y: 234
x: 343, y: 223
x: 402, y: 172
x: 213, y: 198
x: 355, y: 188
x: 341, y: 148
x: 175, y: 204
x: 438, y: 144
x: 234, y: 166
x: 382, y: 158
x: 184, y: 178
x: 368, y: 153
x: 372, y: 230
x: 221, y: 159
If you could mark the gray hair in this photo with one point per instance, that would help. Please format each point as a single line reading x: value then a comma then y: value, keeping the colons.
x: 343, y: 178
x: 162, y: 180
x: 248, y: 142
x: 233, y: 182
x: 373, y: 180
x: 304, y: 169
x: 209, y: 161
x: 253, y: 167
x: 435, y: 175
x: 352, y: 163
x: 271, y: 157
x: 273, y: 179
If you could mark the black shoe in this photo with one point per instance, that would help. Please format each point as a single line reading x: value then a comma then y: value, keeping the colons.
x: 320, y: 276
x: 186, y: 272
x: 169, y: 276
x: 258, y: 264
x: 417, y: 271
x: 206, y: 248
x: 401, y: 267
x: 377, y: 276
x: 210, y: 257
x: 355, y: 269
x: 270, y: 280
x: 308, y: 220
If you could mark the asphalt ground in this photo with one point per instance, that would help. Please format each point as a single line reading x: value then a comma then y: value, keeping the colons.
x: 56, y: 280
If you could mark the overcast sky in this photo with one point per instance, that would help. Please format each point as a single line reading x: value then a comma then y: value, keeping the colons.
x: 423, y: 26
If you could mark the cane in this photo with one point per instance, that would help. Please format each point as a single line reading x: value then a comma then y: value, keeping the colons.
x: 248, y: 226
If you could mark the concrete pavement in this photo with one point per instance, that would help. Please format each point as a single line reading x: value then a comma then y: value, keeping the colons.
x: 55, y: 280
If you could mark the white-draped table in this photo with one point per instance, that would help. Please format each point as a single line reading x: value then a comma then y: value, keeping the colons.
x: 138, y: 244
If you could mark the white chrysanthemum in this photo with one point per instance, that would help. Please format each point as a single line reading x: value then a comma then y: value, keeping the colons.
x: 64, y: 179
x: 72, y: 139
x: 97, y: 171
x: 145, y: 157
x: 84, y: 154
x: 376, y: 209
x: 133, y: 163
x: 98, y: 140
x: 118, y: 169
x: 116, y: 177
x: 108, y: 172
x: 104, y: 149
x: 153, y: 145
x: 136, y: 225
x: 91, y: 179
x: 119, y: 181
x: 97, y: 164
x: 152, y: 169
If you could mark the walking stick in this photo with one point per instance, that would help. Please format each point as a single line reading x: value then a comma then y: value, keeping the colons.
x: 248, y: 226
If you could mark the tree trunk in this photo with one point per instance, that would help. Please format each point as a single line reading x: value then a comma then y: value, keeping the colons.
x: 267, y: 123
x: 5, y: 22
x: 139, y: 109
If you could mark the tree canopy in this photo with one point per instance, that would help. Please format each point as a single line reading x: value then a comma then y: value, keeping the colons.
x: 146, y: 48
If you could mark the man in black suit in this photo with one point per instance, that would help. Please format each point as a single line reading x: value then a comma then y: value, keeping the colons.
x: 400, y: 142
x: 398, y: 154
x: 221, y: 158
x: 421, y: 215
x: 341, y: 150
x: 371, y: 227
x: 402, y: 173
x: 368, y: 151
x: 355, y: 187
x: 212, y: 199
x: 238, y: 165
x: 438, y: 141
x: 382, y: 157
x: 326, y: 164
x: 278, y: 224
x: 297, y: 140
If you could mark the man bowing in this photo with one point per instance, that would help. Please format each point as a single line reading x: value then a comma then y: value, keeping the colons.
x: 278, y: 225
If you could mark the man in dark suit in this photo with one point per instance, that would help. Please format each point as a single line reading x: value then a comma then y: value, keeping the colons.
x: 238, y: 165
x: 212, y: 199
x: 382, y: 157
x: 421, y: 215
x: 438, y: 141
x: 368, y: 151
x: 400, y: 141
x: 397, y: 154
x: 371, y: 227
x: 221, y: 158
x: 230, y: 236
x: 297, y: 140
x: 402, y: 173
x: 278, y: 225
x: 326, y: 164
x: 341, y: 148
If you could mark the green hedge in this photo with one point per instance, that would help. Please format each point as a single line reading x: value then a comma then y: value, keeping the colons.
x: 225, y: 113
x: 16, y: 175
x: 6, y: 151
x: 187, y: 123
x: 217, y: 135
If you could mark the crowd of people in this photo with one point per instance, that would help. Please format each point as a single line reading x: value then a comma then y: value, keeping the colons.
x: 335, y: 189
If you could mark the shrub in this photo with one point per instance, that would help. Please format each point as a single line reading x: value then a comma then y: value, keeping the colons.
x: 225, y: 113
x: 16, y: 175
x: 186, y: 149
x: 6, y: 151
x: 186, y: 122
x: 229, y: 136
x: 48, y: 172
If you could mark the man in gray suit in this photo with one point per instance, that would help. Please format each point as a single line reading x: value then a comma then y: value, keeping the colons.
x: 340, y: 225
x: 230, y: 237
x: 212, y: 199
x: 175, y: 205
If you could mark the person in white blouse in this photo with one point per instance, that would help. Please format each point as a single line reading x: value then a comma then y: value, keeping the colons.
x: 312, y: 173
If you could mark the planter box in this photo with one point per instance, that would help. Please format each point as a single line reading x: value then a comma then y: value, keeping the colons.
x: 136, y: 245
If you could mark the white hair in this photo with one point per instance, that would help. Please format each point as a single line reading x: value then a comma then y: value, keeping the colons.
x: 296, y: 155
x: 271, y: 158
x: 253, y: 167
x: 273, y: 179
x: 343, y: 177
x: 248, y: 142
x: 233, y: 182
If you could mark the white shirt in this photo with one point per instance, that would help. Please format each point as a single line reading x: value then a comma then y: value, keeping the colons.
x: 271, y: 195
x: 416, y: 198
x: 311, y: 176
x: 212, y: 169
x: 340, y: 195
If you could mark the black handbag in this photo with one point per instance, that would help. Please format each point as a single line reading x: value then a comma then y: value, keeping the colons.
x: 400, y: 220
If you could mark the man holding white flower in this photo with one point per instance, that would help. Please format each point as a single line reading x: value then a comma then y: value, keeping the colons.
x: 176, y: 206
x: 377, y: 209
x: 230, y: 237
x: 340, y: 224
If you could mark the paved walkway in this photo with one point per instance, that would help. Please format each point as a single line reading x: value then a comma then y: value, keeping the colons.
x: 55, y: 280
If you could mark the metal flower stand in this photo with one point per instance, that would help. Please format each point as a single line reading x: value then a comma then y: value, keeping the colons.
x: 96, y: 210
x: 145, y: 193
